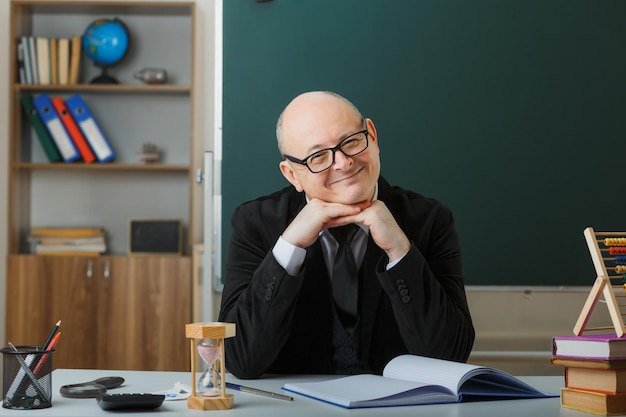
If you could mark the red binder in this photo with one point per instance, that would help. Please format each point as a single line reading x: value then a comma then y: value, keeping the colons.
x: 74, y: 131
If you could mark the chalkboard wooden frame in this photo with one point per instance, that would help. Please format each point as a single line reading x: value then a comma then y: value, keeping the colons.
x: 155, y: 237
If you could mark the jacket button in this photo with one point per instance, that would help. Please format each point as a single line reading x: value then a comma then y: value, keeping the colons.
x: 404, y: 292
x: 268, y: 295
x: 406, y: 299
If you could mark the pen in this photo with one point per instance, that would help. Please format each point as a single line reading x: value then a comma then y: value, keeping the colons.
x: 257, y: 391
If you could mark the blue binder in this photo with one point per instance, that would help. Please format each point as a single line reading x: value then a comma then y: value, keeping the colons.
x: 92, y: 132
x: 53, y: 123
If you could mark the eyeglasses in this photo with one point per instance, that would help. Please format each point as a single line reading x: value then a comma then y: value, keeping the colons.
x: 324, y: 159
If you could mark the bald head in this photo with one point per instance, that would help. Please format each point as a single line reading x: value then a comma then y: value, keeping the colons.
x: 311, y: 110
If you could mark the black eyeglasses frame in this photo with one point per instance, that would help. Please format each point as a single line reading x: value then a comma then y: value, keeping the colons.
x: 334, y: 149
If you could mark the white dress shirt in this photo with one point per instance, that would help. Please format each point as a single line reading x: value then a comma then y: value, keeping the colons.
x: 292, y: 257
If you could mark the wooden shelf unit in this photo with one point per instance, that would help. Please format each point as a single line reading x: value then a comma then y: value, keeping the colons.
x: 44, y: 194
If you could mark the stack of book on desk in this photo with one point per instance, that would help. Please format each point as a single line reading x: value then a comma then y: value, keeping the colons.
x: 595, y: 372
x: 85, y: 241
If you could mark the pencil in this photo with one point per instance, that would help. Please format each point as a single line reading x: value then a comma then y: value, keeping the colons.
x: 51, y: 335
x: 43, y: 358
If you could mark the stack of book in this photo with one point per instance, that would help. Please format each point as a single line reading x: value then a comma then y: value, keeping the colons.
x: 595, y: 372
x: 85, y: 241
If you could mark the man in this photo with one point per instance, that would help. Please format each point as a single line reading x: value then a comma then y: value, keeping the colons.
x: 281, y: 288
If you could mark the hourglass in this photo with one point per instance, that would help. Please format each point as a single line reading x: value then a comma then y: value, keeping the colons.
x: 209, y: 391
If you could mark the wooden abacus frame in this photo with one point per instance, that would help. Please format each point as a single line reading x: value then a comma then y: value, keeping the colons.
x: 603, y: 285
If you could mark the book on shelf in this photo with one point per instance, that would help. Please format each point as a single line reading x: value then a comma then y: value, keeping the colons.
x: 66, y: 232
x: 64, y: 60
x: 21, y: 71
x: 609, y: 381
x: 24, y: 46
x: 53, y: 123
x: 67, y: 240
x: 90, y: 128
x: 54, y: 61
x: 69, y: 253
x: 73, y: 130
x: 588, y: 363
x: 593, y: 346
x: 75, y: 51
x: 416, y: 380
x: 593, y: 402
x: 42, y: 133
x: 42, y: 249
x: 43, y: 60
x: 32, y: 52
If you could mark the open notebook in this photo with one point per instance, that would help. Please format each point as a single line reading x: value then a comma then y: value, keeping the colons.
x: 414, y: 380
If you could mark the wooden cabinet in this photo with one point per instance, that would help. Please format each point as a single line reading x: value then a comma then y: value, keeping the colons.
x: 130, y: 312
x: 117, y: 312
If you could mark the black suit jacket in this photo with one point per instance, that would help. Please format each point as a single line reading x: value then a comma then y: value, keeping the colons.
x: 284, y: 323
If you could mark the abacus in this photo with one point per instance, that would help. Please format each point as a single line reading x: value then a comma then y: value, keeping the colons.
x: 608, y: 252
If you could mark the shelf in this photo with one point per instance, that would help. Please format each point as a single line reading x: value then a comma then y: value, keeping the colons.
x: 106, y: 88
x: 98, y: 166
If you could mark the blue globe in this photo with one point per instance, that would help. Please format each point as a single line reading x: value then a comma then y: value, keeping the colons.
x: 106, y: 41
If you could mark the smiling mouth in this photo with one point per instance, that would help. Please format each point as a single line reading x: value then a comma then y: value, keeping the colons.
x: 347, y: 177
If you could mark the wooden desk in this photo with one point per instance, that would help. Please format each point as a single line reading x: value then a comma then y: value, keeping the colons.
x: 250, y: 405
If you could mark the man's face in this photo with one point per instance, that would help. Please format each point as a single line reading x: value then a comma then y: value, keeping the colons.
x: 350, y: 179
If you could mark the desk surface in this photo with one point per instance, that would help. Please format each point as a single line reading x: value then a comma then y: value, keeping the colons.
x: 255, y: 405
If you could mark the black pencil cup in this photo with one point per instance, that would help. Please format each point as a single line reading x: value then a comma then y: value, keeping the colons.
x: 26, y: 377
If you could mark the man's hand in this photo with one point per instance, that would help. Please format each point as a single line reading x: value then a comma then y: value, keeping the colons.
x: 317, y: 216
x: 383, y: 228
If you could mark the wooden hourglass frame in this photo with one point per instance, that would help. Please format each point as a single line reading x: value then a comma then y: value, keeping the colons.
x: 217, y: 331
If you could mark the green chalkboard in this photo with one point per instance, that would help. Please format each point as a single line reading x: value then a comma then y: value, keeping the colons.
x: 511, y: 112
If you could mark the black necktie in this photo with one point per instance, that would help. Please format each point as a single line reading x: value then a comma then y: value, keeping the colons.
x: 345, y: 276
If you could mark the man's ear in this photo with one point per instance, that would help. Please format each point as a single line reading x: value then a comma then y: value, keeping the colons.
x: 371, y: 130
x: 289, y: 174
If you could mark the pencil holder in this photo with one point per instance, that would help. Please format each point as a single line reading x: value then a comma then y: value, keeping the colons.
x: 26, y: 377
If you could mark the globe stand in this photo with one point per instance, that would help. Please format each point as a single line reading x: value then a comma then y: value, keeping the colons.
x: 217, y: 331
x: 104, y: 78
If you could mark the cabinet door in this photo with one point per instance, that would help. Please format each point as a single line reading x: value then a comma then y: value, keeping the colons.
x: 45, y: 289
x: 143, y: 308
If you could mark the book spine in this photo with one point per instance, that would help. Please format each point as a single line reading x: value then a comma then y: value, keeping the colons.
x: 27, y: 63
x: 75, y: 59
x: 32, y: 50
x: 67, y: 232
x: 64, y: 60
x: 54, y: 61
x: 43, y: 60
x: 20, y: 63
x: 73, y: 130
x: 43, y: 135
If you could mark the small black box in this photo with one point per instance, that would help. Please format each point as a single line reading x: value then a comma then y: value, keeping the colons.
x: 155, y: 237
